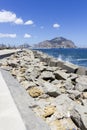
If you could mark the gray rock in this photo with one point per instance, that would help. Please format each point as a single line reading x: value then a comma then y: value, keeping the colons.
x: 79, y: 116
x: 74, y: 94
x: 73, y: 76
x: 60, y: 75
x: 13, y: 63
x: 81, y: 71
x: 53, y: 62
x: 50, y: 89
x: 68, y: 85
x: 81, y: 83
x: 46, y: 75
x: 71, y: 68
x: 64, y: 106
x: 28, y: 84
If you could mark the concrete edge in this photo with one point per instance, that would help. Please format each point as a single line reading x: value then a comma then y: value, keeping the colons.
x: 9, y: 54
x: 22, y: 101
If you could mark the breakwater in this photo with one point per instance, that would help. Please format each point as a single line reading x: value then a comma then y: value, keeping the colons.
x: 58, y: 89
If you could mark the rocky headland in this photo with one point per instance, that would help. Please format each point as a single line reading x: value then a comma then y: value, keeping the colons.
x: 57, y: 89
x: 58, y: 42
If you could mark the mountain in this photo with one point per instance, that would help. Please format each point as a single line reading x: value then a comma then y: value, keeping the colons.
x: 25, y: 45
x: 58, y: 42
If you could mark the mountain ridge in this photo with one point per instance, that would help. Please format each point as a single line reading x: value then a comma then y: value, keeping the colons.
x: 57, y: 42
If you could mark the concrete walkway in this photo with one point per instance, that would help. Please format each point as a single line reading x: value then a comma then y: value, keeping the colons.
x: 10, y: 118
x: 8, y: 51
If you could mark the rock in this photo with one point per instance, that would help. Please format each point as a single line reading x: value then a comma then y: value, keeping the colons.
x: 53, y: 62
x: 85, y: 95
x: 20, y: 77
x: 30, y: 69
x: 68, y: 85
x: 35, y: 92
x: 81, y: 84
x: 13, y: 63
x: 79, y: 116
x: 50, y: 89
x: 73, y: 76
x: 49, y: 111
x: 26, y: 84
x: 64, y: 105
x: 51, y: 69
x: 46, y: 75
x: 56, y: 125
x: 63, y: 124
x: 55, y: 82
x: 71, y: 68
x: 82, y: 79
x: 35, y: 73
x: 81, y: 71
x: 81, y: 87
x: 60, y: 75
x: 73, y: 94
x: 14, y: 72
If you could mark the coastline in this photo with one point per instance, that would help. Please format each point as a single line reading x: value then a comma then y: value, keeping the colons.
x: 50, y: 83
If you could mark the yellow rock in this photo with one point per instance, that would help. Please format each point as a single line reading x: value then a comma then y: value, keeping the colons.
x: 49, y: 110
x: 56, y: 125
x: 22, y: 70
x: 35, y: 92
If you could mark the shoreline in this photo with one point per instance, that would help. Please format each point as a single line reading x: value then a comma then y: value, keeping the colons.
x: 58, y: 89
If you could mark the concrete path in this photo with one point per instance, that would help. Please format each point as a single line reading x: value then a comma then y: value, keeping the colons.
x: 7, y: 52
x: 10, y: 118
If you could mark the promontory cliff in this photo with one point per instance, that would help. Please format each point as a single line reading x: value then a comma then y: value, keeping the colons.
x: 58, y: 42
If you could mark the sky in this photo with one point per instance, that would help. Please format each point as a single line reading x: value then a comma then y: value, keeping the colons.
x: 33, y: 21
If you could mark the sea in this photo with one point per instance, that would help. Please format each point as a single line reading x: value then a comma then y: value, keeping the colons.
x: 76, y: 56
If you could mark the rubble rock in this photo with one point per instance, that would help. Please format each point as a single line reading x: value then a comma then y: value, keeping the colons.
x: 35, y: 92
x: 79, y: 116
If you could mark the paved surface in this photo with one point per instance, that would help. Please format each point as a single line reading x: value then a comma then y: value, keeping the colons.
x: 8, y: 51
x: 10, y: 118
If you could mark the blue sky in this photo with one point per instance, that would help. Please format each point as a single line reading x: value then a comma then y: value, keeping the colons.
x: 32, y: 21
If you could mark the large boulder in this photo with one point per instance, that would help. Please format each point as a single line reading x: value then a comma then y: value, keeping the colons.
x: 50, y: 89
x: 79, y: 116
x: 64, y: 106
x: 71, y: 68
x: 81, y: 83
x: 81, y: 71
x: 46, y: 75
x: 60, y: 75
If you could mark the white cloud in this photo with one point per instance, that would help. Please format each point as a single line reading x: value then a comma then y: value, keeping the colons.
x: 27, y: 35
x: 19, y: 21
x: 29, y: 22
x: 8, y: 16
x: 7, y: 35
x: 56, y: 25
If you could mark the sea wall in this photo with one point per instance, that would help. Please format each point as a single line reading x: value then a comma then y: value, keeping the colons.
x: 51, y: 61
x: 57, y: 90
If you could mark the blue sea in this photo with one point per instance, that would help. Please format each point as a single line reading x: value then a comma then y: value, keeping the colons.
x: 77, y: 56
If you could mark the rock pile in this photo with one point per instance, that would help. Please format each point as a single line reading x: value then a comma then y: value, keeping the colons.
x: 58, y: 92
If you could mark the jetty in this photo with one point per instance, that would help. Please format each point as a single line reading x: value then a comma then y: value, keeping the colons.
x: 39, y: 92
